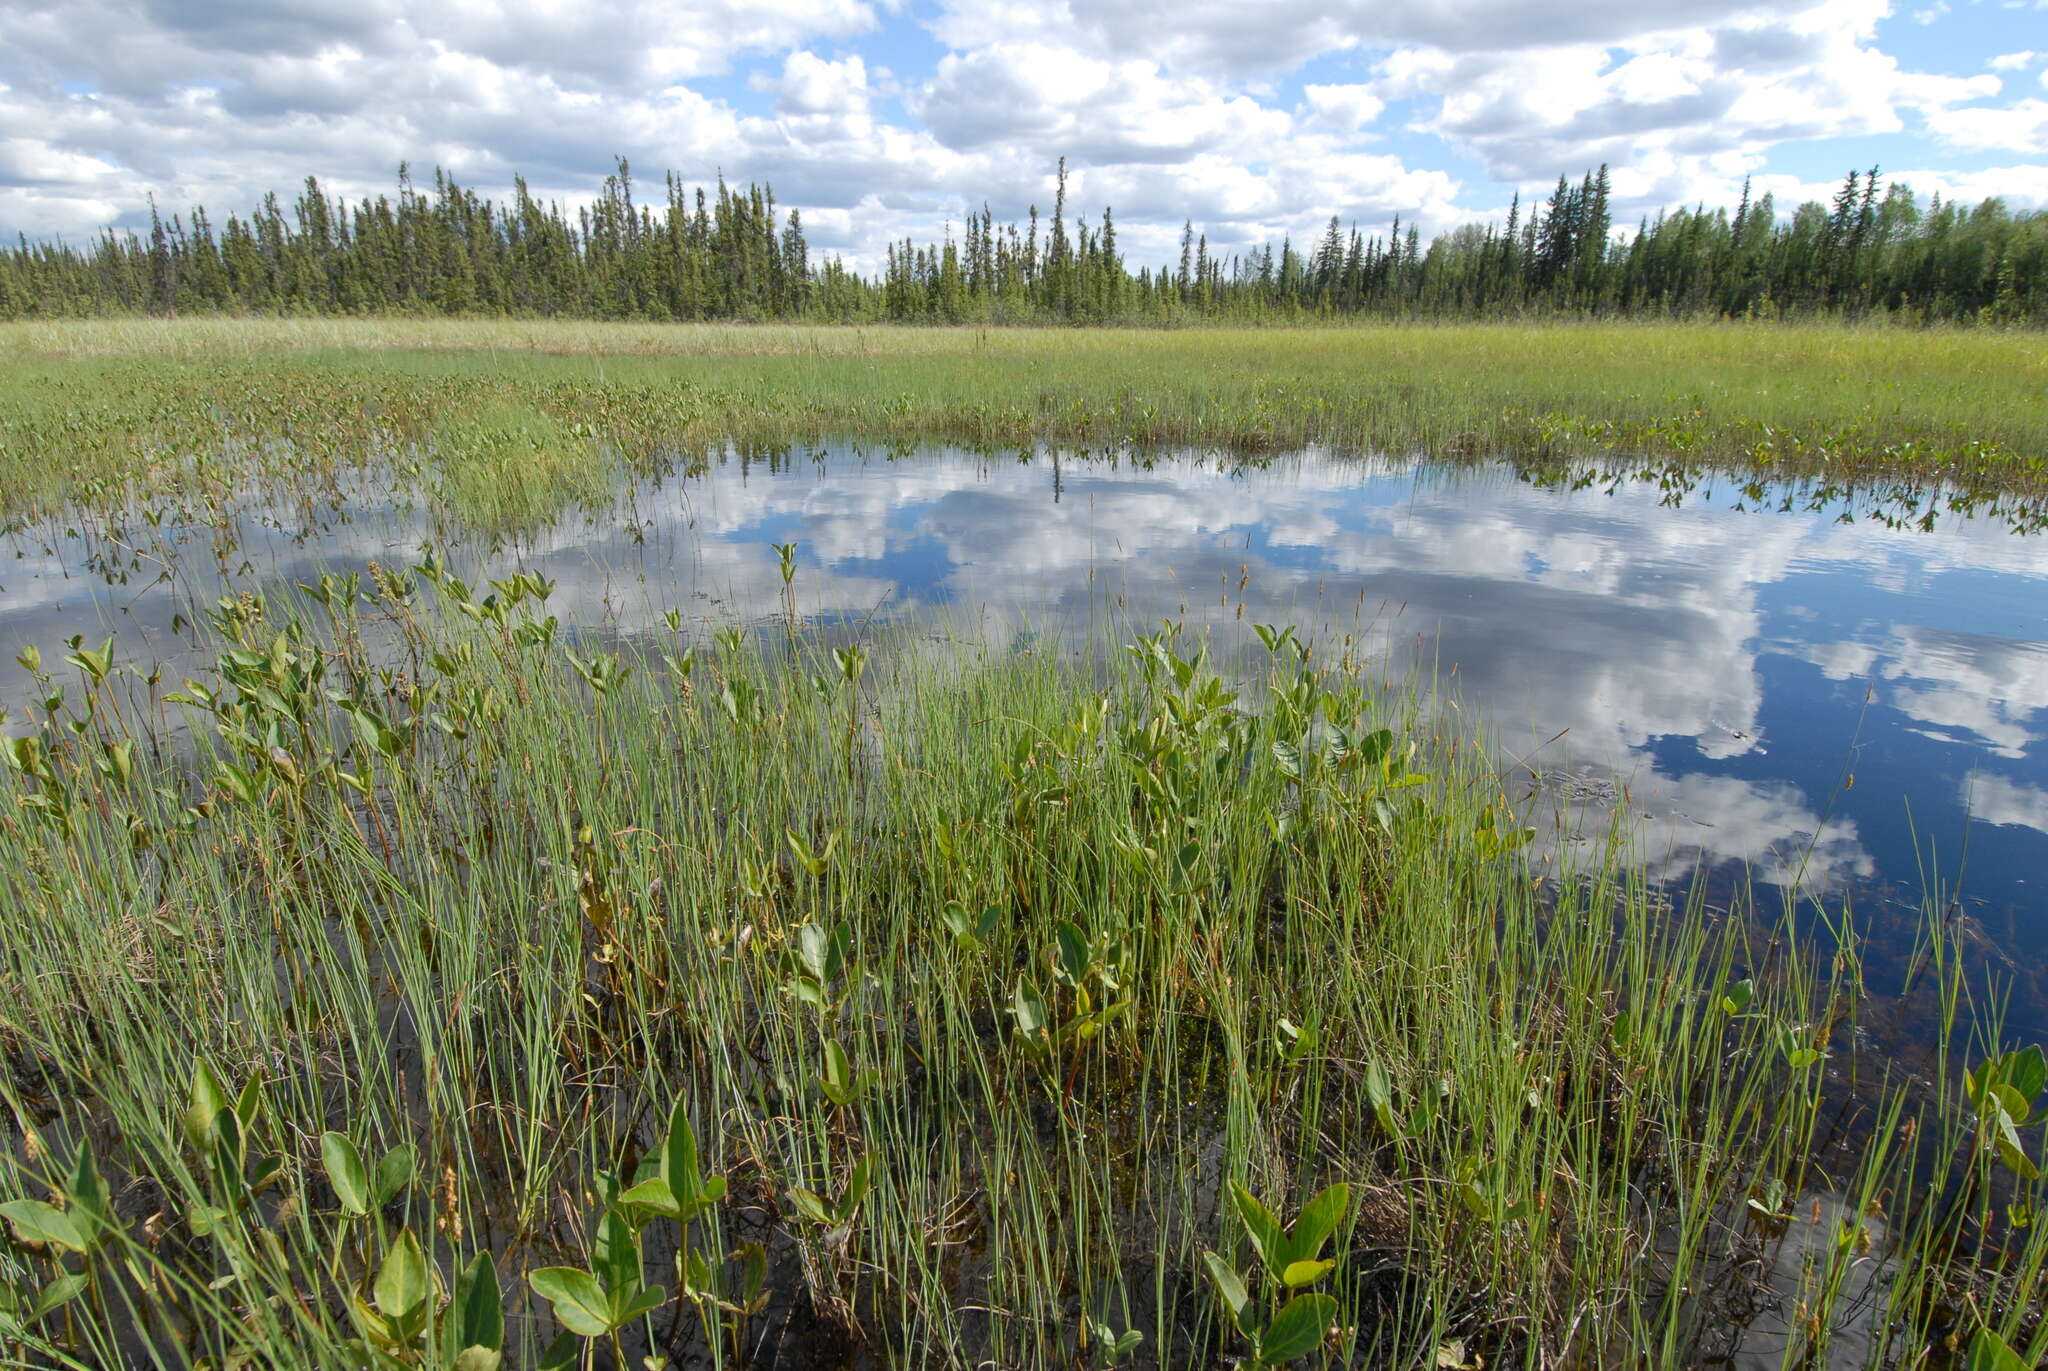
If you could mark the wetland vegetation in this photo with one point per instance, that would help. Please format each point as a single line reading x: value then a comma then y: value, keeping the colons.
x: 798, y: 1001
x: 430, y: 979
x: 92, y: 410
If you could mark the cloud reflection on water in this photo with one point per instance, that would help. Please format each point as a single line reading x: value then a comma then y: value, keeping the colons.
x: 1649, y: 637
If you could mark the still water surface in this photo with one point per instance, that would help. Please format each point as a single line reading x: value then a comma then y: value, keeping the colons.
x: 1814, y: 699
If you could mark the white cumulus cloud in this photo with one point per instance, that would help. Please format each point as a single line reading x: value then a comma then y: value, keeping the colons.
x: 1256, y: 121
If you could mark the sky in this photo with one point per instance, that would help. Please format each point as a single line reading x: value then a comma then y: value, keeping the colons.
x: 886, y: 118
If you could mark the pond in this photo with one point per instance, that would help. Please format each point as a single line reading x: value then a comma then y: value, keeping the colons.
x: 1800, y: 690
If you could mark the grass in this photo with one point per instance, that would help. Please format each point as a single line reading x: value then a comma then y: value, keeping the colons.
x: 94, y: 412
x: 511, y: 467
x: 791, y: 1001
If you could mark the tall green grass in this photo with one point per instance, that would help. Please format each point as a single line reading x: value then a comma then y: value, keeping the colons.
x: 1009, y: 1005
x: 509, y: 467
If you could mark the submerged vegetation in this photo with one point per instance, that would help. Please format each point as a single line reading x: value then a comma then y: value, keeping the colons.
x: 101, y: 412
x: 1875, y: 249
x: 430, y: 985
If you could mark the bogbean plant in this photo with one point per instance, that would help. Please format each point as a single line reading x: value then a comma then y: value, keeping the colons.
x: 1278, y: 1314
x: 1017, y: 997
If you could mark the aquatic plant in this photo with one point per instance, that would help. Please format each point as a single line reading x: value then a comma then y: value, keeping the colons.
x: 682, y: 1000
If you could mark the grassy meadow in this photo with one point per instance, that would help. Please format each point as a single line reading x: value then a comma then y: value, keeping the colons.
x: 430, y: 983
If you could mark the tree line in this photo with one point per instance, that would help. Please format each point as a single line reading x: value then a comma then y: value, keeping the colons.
x: 730, y: 253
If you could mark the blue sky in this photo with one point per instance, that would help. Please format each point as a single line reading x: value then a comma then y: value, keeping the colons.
x: 881, y: 119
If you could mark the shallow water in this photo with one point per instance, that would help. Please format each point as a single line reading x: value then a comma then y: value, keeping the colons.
x: 1847, y: 706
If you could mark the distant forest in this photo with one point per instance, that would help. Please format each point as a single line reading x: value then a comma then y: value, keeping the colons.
x: 1875, y: 249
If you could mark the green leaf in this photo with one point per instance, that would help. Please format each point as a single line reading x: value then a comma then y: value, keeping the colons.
x: 1260, y: 1224
x: 478, y: 1318
x: 1227, y: 1282
x: 249, y: 1104
x: 653, y: 1193
x: 1379, y: 1092
x: 1989, y: 1352
x: 1375, y: 746
x: 579, y: 1302
x: 42, y: 1224
x: 814, y: 947
x: 1319, y: 1219
x: 810, y: 1204
x: 753, y: 1259
x: 858, y: 1184
x: 396, y: 1172
x: 1073, y: 953
x: 954, y: 917
x: 1297, y: 1329
x: 1306, y: 1272
x: 1028, y: 1007
x: 345, y: 1172
x: 2027, y: 1072
x: 224, y: 1152
x: 630, y: 1307
x: 679, y: 1165
x: 562, y: 1354
x: 615, y: 1255
x: 699, y: 1281
x: 264, y: 1170
x: 2011, y: 1150
x: 208, y: 1100
x: 1738, y: 997
x: 477, y: 1359
x: 838, y: 1079
x: 401, y: 1286
x: 91, y: 1204
x: 56, y: 1295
